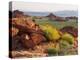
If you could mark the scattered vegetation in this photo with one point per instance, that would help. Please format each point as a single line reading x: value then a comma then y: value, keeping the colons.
x: 42, y: 37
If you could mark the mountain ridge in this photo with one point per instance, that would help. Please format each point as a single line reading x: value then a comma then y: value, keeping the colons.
x: 65, y: 13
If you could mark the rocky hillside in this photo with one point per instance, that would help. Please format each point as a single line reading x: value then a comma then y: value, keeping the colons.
x: 28, y: 39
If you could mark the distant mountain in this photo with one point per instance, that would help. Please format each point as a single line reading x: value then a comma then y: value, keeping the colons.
x: 66, y: 13
x: 36, y: 13
x: 58, y: 13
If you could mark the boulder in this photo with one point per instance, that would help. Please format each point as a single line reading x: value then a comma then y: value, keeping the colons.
x: 26, y: 41
x: 71, y: 30
x: 30, y: 41
x: 28, y: 31
x: 37, y: 38
x: 13, y: 31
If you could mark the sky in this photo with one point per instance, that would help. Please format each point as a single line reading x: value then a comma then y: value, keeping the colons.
x: 42, y: 7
